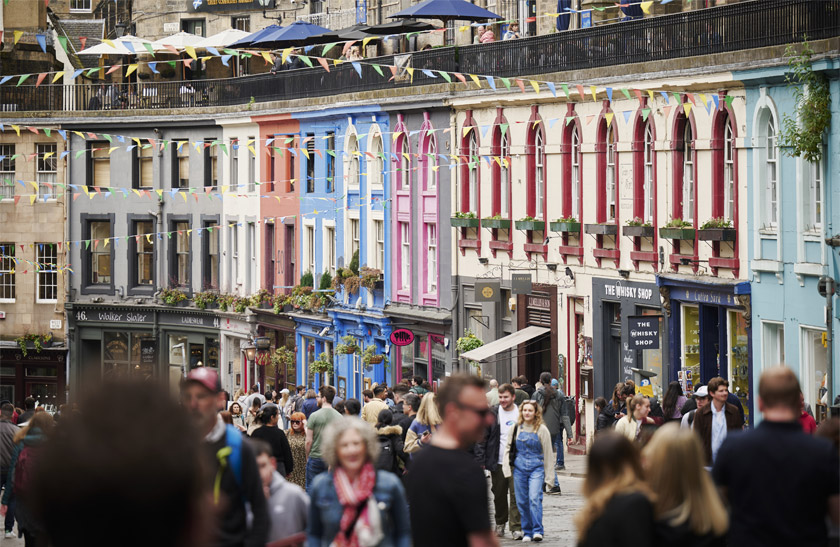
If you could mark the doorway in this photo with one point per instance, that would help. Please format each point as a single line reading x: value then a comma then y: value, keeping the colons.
x: 612, y: 345
x: 537, y: 357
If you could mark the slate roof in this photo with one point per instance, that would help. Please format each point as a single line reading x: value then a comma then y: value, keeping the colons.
x: 74, y: 29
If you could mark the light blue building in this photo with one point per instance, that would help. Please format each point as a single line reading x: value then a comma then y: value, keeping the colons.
x: 344, y: 177
x: 794, y: 207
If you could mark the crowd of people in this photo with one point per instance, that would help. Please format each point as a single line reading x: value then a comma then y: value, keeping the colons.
x: 409, y: 466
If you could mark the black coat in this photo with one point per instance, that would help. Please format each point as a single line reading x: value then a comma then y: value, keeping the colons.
x: 486, y: 451
x: 280, y: 448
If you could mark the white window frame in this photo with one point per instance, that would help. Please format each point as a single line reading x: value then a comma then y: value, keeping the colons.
x: 472, y: 171
x: 728, y: 171
x: 771, y: 176
x: 252, y: 260
x: 47, y: 279
x: 355, y: 239
x: 405, y: 256
x: 772, y: 343
x: 379, y: 238
x: 329, y: 250
x: 309, y: 233
x: 234, y: 245
x: 576, y: 213
x: 234, y: 163
x: 8, y: 280
x: 352, y: 160
x: 431, y: 258
x: 431, y: 164
x: 813, y: 196
x: 252, y: 169
x: 688, y: 173
x: 504, y: 174
x: 404, y: 162
x: 610, y: 175
x: 46, y: 169
x: 83, y: 9
x: 648, y: 174
x: 376, y: 164
x: 539, y: 176
x: 809, y: 338
x: 8, y: 166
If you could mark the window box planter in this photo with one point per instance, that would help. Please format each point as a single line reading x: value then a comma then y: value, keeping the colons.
x: 534, y: 225
x: 637, y: 231
x: 601, y: 229
x: 497, y: 223
x: 717, y: 234
x: 677, y: 233
x: 464, y: 222
x: 565, y: 226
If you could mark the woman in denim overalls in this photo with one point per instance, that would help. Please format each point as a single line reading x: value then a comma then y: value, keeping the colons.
x: 532, y: 467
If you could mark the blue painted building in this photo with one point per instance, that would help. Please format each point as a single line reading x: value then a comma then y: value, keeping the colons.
x: 794, y: 206
x: 344, y: 212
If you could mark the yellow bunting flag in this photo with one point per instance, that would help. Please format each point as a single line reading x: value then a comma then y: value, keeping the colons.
x: 251, y: 148
x: 32, y: 198
x: 476, y: 80
x: 17, y: 129
x: 57, y: 76
x: 110, y: 43
x: 609, y: 116
x: 650, y: 94
x: 535, y: 85
x: 266, y: 56
x: 367, y: 40
x: 131, y: 68
x: 687, y: 108
x: 646, y: 7
x: 467, y: 130
x: 191, y: 52
x: 285, y: 55
x: 594, y: 93
x: 18, y: 34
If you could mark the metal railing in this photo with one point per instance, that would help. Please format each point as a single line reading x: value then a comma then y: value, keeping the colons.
x: 745, y: 25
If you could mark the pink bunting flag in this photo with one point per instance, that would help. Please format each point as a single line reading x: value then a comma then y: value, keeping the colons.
x: 581, y: 92
x: 40, y: 79
x: 83, y: 41
x: 171, y: 48
x: 113, y: 69
x: 638, y: 95
x: 188, y: 63
x: 460, y: 77
x: 324, y: 64
x: 393, y: 72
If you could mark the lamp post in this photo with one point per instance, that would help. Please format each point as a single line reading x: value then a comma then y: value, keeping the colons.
x: 250, y: 353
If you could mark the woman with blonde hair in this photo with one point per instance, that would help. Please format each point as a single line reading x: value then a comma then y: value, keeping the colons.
x: 424, y: 425
x: 618, y: 503
x: 297, y: 441
x: 637, y: 416
x: 688, y: 510
x: 529, y: 457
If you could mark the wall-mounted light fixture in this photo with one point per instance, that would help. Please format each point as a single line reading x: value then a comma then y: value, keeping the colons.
x: 483, y: 260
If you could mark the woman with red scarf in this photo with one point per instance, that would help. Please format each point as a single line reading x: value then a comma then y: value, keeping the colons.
x: 354, y: 505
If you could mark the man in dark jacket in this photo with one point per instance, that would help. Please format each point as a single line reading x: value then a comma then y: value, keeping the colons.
x: 715, y: 421
x: 409, y: 405
x: 8, y: 430
x: 521, y: 382
x: 552, y: 404
x: 202, y: 398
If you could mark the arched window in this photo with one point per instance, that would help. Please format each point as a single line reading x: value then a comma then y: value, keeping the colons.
x: 648, y: 184
x: 682, y: 144
x: 606, y: 176
x: 429, y: 160
x: 539, y: 175
x: 574, y: 207
x: 472, y: 172
x: 728, y: 172
x: 535, y: 172
x: 501, y: 171
x: 611, y: 175
x: 771, y: 176
x: 688, y: 175
x: 376, y: 164
x: 404, y: 164
x: 353, y: 160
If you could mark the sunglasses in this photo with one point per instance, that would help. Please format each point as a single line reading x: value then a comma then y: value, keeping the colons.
x: 482, y: 412
x: 296, y: 421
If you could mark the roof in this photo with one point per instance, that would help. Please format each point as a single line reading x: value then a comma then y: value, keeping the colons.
x: 74, y: 30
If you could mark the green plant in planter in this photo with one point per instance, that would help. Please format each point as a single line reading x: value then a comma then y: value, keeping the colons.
x: 348, y: 346
x: 352, y: 284
x: 37, y: 340
x: 638, y: 221
x: 225, y: 301
x: 495, y: 217
x: 262, y: 296
x: 370, y: 277
x: 354, y: 263
x: 678, y: 223
x: 462, y: 214
x: 279, y: 302
x: 307, y: 279
x: 370, y: 357
x: 323, y: 364
x: 719, y: 223
x: 567, y: 220
x: 468, y: 342
x: 802, y: 134
x: 172, y: 296
x: 241, y: 303
x: 283, y: 357
x: 204, y: 299
x: 326, y: 281
x: 528, y: 218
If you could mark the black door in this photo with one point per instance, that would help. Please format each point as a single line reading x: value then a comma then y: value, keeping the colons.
x: 612, y: 346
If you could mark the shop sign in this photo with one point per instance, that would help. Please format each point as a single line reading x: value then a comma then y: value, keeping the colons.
x: 402, y: 337
x: 624, y: 290
x: 111, y: 316
x: 539, y: 302
x: 148, y: 349
x: 520, y: 283
x: 186, y: 320
x: 702, y: 296
x: 486, y: 291
x: 228, y: 5
x: 643, y: 331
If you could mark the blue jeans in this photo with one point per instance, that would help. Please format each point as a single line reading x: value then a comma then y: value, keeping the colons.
x: 314, y: 467
x: 529, y: 498
x: 560, y: 448
x: 10, y: 511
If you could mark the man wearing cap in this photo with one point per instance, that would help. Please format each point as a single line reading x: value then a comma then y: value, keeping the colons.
x: 231, y: 465
x: 701, y: 398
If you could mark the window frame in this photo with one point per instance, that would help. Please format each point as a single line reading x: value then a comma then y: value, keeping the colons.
x: 353, y: 160
x: 252, y: 169
x: 814, y: 198
x: 329, y: 162
x: 178, y: 154
x: 208, y: 222
x: 92, y: 148
x: 684, y: 126
x: 431, y: 265
x: 8, y: 271
x: 376, y: 164
x: 46, y: 279
x: 41, y: 149
x: 138, y: 161
x: 429, y: 162
x: 172, y: 271
x: 310, y: 165
x: 379, y: 229
x: 770, y: 182
x: 134, y: 287
x: 211, y: 165
x: 88, y: 287
x: 405, y: 256
x: 8, y: 168
x: 234, y: 163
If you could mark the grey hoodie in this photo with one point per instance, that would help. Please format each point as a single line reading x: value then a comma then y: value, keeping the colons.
x: 288, y: 507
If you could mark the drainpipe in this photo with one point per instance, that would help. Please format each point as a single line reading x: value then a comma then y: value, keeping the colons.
x: 159, y: 253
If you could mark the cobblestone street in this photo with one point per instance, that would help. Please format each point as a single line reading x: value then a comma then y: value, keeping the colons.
x: 558, y: 512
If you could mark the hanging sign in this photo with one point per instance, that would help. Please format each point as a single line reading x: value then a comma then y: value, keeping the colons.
x: 486, y: 291
x: 402, y: 337
x: 520, y: 283
x: 643, y: 331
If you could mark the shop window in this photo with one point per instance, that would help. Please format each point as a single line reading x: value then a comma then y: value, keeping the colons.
x: 46, y: 255
x: 812, y: 374
x: 8, y: 274
x: 376, y: 164
x: 211, y: 254
x: 211, y: 165
x: 179, y: 259
x: 690, y: 373
x: 812, y: 197
x: 407, y: 360
x: 99, y: 166
x: 7, y: 171
x: 329, y: 160
x: 739, y: 362
x: 193, y: 26
x: 178, y: 347
x: 773, y: 343
x: 252, y: 169
x: 143, y: 166
x: 310, y: 162
x: 652, y: 358
x: 47, y: 169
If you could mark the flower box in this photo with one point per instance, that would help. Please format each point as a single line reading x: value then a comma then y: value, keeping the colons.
x: 717, y: 234
x: 637, y: 231
x: 534, y: 225
x: 498, y: 223
x: 465, y: 222
x: 601, y: 229
x: 677, y: 233
x: 564, y: 226
x: 376, y: 359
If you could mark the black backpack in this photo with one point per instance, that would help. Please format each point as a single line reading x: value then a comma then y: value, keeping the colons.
x: 387, y: 460
x: 569, y: 409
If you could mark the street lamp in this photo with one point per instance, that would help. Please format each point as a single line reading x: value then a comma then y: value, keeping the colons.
x: 250, y: 353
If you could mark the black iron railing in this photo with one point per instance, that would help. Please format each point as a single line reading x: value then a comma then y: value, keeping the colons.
x: 745, y: 25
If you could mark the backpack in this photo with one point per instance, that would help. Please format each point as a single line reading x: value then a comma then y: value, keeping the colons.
x: 569, y: 408
x: 23, y: 469
x: 387, y: 460
x: 298, y: 403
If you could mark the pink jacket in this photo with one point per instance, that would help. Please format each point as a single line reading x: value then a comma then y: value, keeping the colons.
x: 487, y: 37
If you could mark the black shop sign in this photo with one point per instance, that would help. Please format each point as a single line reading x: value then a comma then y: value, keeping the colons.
x: 643, y: 331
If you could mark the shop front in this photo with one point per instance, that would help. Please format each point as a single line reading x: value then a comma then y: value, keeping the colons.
x: 314, y: 343
x: 236, y: 332
x: 709, y: 333
x: 39, y: 374
x: 373, y: 363
x: 140, y: 343
x: 280, y: 369
x: 628, y: 337
x: 538, y: 308
x: 420, y: 343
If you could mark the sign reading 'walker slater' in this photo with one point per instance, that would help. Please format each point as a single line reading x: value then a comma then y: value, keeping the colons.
x: 110, y: 316
x: 643, y: 331
x: 228, y: 5
x: 147, y: 351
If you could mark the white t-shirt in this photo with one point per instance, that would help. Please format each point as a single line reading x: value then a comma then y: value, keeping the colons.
x: 507, y: 419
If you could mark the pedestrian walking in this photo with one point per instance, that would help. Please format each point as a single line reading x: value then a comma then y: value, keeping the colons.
x: 447, y: 491
x: 618, y: 504
x: 809, y: 425
x: 600, y: 420
x: 701, y: 399
x: 529, y: 458
x: 391, y: 455
x: 268, y: 431
x: 717, y: 420
x: 283, y: 402
x: 288, y: 504
x: 251, y: 419
x: 315, y: 426
x: 8, y: 430
x: 28, y: 447
x: 407, y: 408
x: 688, y: 511
x: 29, y: 405
x: 504, y: 498
x: 425, y: 424
x: 552, y: 403
x: 782, y: 485
x: 374, y: 404
x: 637, y: 417
x: 310, y: 403
x: 253, y: 395
x: 493, y: 394
x: 673, y: 402
x: 296, y: 435
x: 231, y: 465
x: 237, y: 416
x: 354, y: 504
x: 352, y: 407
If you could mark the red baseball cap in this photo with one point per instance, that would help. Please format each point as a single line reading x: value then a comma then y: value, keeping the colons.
x: 206, y: 377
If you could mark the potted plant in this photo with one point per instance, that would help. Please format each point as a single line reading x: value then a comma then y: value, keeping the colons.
x: 601, y: 229
x: 372, y: 278
x: 33, y: 341
x: 717, y: 229
x: 469, y: 342
x: 565, y: 224
x: 465, y: 220
x: 677, y: 228
x: 348, y: 345
x: 496, y: 221
x: 322, y: 365
x: 283, y: 357
x: 370, y: 357
x: 241, y: 303
x: 225, y: 301
x: 263, y: 300
x: 307, y: 280
x: 205, y: 300
x: 530, y: 223
x: 326, y: 281
x: 282, y: 304
x: 352, y: 284
x: 173, y: 297
x: 637, y: 228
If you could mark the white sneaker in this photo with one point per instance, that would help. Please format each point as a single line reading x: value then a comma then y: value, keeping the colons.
x: 538, y: 537
x: 9, y: 535
x: 526, y: 539
x: 517, y: 534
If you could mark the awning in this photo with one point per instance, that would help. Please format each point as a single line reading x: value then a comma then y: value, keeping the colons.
x: 497, y: 346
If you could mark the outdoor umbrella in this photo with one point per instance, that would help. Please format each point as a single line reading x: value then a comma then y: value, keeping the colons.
x: 178, y: 41
x: 246, y: 41
x: 293, y: 35
x: 401, y: 26
x: 565, y: 15
x: 446, y: 10
x: 356, y: 32
x: 127, y: 45
x: 224, y: 38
